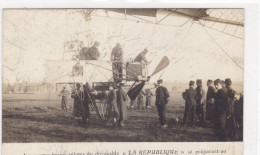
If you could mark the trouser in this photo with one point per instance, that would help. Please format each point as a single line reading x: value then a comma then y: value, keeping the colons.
x: 189, y: 113
x: 140, y: 102
x: 112, y: 112
x: 161, y: 108
x: 232, y: 126
x: 200, y: 113
x: 64, y: 103
x: 210, y: 112
x: 220, y: 127
x: 148, y: 101
x: 86, y: 113
x: 117, y: 69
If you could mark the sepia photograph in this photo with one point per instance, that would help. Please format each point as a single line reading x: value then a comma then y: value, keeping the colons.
x: 122, y: 75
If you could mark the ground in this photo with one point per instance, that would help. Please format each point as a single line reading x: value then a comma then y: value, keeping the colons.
x: 39, y: 118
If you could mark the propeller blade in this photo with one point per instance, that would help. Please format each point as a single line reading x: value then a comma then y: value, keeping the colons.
x: 133, y: 92
x: 163, y: 64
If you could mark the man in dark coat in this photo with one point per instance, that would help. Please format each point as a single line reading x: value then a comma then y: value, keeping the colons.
x: 238, y: 110
x: 210, y: 101
x: 221, y: 108
x: 190, y: 96
x: 117, y: 61
x: 200, y: 101
x: 93, y: 52
x: 112, y: 105
x: 141, y: 57
x: 121, y: 105
x: 162, y: 98
x: 231, y: 122
x: 88, y: 98
x: 77, y: 95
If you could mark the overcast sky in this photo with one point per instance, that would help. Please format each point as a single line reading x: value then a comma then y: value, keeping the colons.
x: 30, y: 37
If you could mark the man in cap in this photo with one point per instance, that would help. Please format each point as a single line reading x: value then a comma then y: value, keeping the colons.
x: 231, y: 122
x: 200, y: 101
x: 121, y: 105
x: 93, y: 52
x: 221, y: 108
x: 190, y: 96
x: 141, y: 57
x: 64, y: 100
x: 210, y: 101
x: 162, y: 98
x: 117, y: 60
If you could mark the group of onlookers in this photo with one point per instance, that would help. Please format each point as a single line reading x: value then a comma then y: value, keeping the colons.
x: 224, y: 107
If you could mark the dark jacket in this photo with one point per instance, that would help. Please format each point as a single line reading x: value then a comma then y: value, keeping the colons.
x: 230, y: 100
x: 191, y: 96
x: 210, y: 95
x: 93, y: 53
x: 221, y: 104
x: 162, y: 95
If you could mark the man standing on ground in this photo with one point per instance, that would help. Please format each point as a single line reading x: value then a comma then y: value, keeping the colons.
x: 64, y: 100
x: 190, y: 96
x: 148, y: 94
x: 210, y: 101
x: 200, y: 101
x: 162, y: 98
x: 121, y: 98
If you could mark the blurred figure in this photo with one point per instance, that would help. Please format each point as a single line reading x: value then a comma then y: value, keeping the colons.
x: 112, y: 106
x: 121, y: 105
x: 231, y: 122
x: 190, y: 96
x: 88, y: 98
x: 83, y: 51
x: 210, y: 101
x: 77, y: 95
x: 162, y: 98
x: 93, y: 52
x: 117, y: 61
x: 221, y: 108
x: 200, y: 101
x: 140, y: 99
x: 238, y: 110
x: 141, y: 57
x: 148, y: 94
x: 64, y: 99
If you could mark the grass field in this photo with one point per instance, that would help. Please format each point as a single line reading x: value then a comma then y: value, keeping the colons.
x: 39, y: 118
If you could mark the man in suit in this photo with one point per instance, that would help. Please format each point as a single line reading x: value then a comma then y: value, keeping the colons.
x: 210, y: 101
x: 162, y: 98
x: 190, y: 96
x: 200, y: 101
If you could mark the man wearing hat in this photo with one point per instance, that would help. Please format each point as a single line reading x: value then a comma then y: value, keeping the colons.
x: 121, y: 105
x: 231, y: 122
x: 210, y: 101
x: 221, y: 108
x: 162, y: 98
x: 190, y: 96
x: 93, y: 52
x: 200, y: 101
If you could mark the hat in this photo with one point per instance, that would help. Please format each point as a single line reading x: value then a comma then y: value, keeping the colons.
x: 159, y: 81
x: 209, y: 81
x: 199, y: 82
x: 191, y: 83
x: 217, y: 81
x: 228, y: 81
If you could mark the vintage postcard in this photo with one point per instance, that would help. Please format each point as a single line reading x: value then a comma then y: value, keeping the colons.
x: 123, y: 75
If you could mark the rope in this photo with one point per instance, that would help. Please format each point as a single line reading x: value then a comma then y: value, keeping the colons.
x: 223, y: 50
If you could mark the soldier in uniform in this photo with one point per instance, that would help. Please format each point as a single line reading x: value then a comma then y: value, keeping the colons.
x: 148, y: 94
x: 117, y: 60
x: 210, y: 101
x: 140, y: 99
x: 162, y: 98
x: 112, y: 105
x: 64, y: 100
x: 221, y: 108
x: 121, y: 105
x: 190, y: 96
x: 88, y: 98
x: 200, y: 101
x: 77, y: 95
x: 93, y: 52
x: 231, y: 122
x: 141, y: 57
x: 238, y: 110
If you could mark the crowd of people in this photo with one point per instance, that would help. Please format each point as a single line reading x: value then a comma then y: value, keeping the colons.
x: 224, y: 107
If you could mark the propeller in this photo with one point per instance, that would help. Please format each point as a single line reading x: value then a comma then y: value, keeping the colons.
x: 163, y: 64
